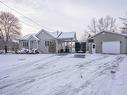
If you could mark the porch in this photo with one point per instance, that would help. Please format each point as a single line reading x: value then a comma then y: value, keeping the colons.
x: 29, y: 44
x: 66, y: 45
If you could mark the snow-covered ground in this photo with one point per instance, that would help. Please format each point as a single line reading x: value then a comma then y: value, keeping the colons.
x: 48, y: 74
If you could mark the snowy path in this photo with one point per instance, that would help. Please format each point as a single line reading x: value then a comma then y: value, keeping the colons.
x: 58, y: 75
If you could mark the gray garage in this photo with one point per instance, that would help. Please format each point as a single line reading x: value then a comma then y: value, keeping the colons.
x: 107, y: 42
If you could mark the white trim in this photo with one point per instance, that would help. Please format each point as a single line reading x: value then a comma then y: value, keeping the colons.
x: 37, y: 44
x: 93, y: 48
x: 29, y: 44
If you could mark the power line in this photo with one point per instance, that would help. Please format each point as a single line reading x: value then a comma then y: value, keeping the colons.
x: 25, y: 16
x: 28, y: 24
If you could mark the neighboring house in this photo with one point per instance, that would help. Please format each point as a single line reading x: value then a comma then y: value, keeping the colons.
x: 48, y: 42
x: 107, y: 42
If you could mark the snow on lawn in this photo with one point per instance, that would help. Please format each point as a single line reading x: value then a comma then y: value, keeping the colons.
x: 50, y: 74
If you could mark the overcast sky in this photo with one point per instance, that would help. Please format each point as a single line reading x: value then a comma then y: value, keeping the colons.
x: 63, y: 15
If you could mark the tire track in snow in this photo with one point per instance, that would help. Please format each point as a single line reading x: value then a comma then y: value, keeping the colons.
x: 37, y: 79
x: 29, y: 78
x: 19, y: 78
x: 84, y: 64
x: 104, y: 88
x: 24, y: 79
x: 26, y: 64
x: 68, y: 89
x: 95, y: 74
x: 109, y: 76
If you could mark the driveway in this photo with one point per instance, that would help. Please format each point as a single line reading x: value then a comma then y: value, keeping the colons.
x: 48, y: 74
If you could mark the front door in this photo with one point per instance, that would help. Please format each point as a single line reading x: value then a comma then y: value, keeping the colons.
x: 52, y: 46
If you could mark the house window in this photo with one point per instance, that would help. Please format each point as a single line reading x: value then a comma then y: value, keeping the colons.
x: 32, y: 42
x: 25, y: 44
x: 93, y: 46
x: 46, y: 43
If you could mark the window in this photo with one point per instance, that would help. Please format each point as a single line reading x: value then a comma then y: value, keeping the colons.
x: 25, y: 44
x: 93, y: 46
x: 46, y: 43
x: 32, y: 42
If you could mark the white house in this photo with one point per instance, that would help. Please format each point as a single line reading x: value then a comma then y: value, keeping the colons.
x: 48, y: 42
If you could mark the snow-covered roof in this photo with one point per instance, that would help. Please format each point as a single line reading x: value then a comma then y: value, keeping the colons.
x: 63, y: 35
x: 67, y: 35
x: 26, y: 37
x: 57, y: 35
x: 54, y: 34
x: 125, y: 35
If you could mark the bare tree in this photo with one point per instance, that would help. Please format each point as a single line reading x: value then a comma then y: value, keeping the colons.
x: 93, y: 26
x: 102, y: 24
x: 124, y: 28
x: 85, y: 35
x: 9, y: 28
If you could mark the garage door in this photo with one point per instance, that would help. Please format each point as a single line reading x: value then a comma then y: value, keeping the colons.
x: 111, y: 47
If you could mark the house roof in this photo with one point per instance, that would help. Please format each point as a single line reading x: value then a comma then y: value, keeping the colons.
x: 26, y: 37
x: 63, y: 35
x: 125, y: 35
x: 67, y: 35
x: 57, y: 35
x: 54, y: 34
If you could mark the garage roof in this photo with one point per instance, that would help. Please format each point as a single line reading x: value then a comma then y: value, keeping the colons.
x: 125, y: 35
